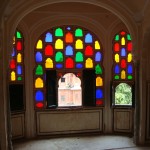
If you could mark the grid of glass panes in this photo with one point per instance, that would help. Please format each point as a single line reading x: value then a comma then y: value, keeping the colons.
x: 67, y: 47
x: 16, y: 62
x: 122, y: 52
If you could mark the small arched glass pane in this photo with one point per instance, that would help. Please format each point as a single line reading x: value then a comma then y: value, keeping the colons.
x: 69, y: 63
x: 13, y: 76
x: 58, y: 32
x: 89, y: 63
x: 19, y: 58
x: 99, y: 81
x: 19, y: 46
x: 69, y: 38
x: 88, y: 51
x: 130, y: 69
x: 39, y: 83
x: 98, y: 69
x: 123, y: 74
x: 18, y: 35
x: 19, y: 69
x: 99, y: 94
x: 117, y: 69
x: 117, y: 58
x: 78, y: 32
x: 39, y: 96
x: 39, y: 70
x: 49, y: 63
x: 48, y: 37
x: 38, y: 57
x: 129, y: 58
x: 98, y: 57
x: 59, y: 57
x: 39, y: 44
x: 123, y: 52
x: 59, y: 44
x: 116, y: 47
x: 79, y: 57
x: 69, y: 50
x: 97, y: 45
x: 12, y: 64
x: 49, y: 50
x: 79, y: 44
x: 123, y: 41
x: 88, y: 38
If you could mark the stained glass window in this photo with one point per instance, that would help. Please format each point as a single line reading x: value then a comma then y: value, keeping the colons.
x: 67, y: 48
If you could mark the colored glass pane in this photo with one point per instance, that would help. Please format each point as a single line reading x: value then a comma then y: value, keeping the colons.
x: 98, y: 57
x: 19, y: 58
x: 99, y: 102
x: 39, y: 105
x: 19, y: 46
x: 48, y: 37
x: 122, y: 32
x: 88, y: 51
x: 97, y: 45
x: 130, y: 69
x: 98, y: 69
x: 59, y: 66
x: 123, y: 42
x: 69, y: 50
x: 13, y: 76
x: 129, y: 58
x: 39, y: 96
x: 39, y: 83
x: 89, y: 63
x: 79, y: 57
x: 79, y: 66
x: 129, y: 46
x: 79, y: 44
x: 130, y: 77
x: 69, y: 63
x: 59, y: 44
x: 116, y: 77
x: 48, y: 63
x: 69, y: 38
x: 117, y: 69
x: 19, y: 78
x: 116, y: 47
x: 39, y: 70
x: 59, y: 57
x: 123, y: 52
x: 88, y: 38
x: 18, y: 35
x: 38, y: 57
x: 48, y: 50
x: 78, y: 33
x: 117, y: 58
x: 12, y: 64
x: 39, y: 44
x: 123, y: 63
x: 58, y: 32
x: 99, y: 81
x: 19, y: 69
x: 99, y: 93
x: 123, y: 74
x: 128, y: 37
x: 13, y: 52
x: 117, y: 37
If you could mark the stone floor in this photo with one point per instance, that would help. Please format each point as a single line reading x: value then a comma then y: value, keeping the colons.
x: 80, y: 143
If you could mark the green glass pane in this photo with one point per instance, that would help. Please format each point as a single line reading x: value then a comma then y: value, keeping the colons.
x: 98, y: 69
x: 79, y: 57
x: 116, y: 77
x: 130, y: 77
x: 128, y: 37
x: 39, y: 70
x: 18, y: 34
x: 58, y: 32
x: 19, y: 78
x: 78, y: 33
x: 59, y: 57
x: 117, y: 37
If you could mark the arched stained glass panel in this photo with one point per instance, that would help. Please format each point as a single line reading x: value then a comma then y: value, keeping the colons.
x: 69, y: 38
x: 69, y: 51
x: 49, y: 50
x: 88, y: 38
x: 48, y: 37
x: 88, y: 51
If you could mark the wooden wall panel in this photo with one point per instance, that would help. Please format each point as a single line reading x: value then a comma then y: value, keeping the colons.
x: 56, y: 122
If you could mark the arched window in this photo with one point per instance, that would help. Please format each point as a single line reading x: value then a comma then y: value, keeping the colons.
x: 123, y: 69
x: 16, y: 73
x: 62, y: 52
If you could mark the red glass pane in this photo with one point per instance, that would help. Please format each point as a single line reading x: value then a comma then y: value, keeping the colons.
x: 122, y: 33
x: 99, y: 102
x: 39, y: 105
x: 69, y: 38
x: 19, y: 46
x: 48, y: 50
x: 123, y: 63
x: 89, y: 51
x: 129, y: 46
x: 69, y: 63
x: 116, y: 47
x: 12, y: 64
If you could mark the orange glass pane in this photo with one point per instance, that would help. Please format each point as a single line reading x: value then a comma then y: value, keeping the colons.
x: 89, y: 63
x: 123, y: 74
x: 59, y: 44
x: 117, y: 59
x: 48, y: 63
x: 129, y: 58
x: 99, y: 81
x: 79, y: 44
x: 19, y: 58
x: 69, y: 38
x: 38, y: 83
x: 13, y: 76
x: 39, y: 44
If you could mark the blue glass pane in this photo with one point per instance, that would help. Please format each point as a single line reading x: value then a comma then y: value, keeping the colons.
x: 99, y: 93
x: 117, y: 69
x: 39, y: 96
x: 19, y: 70
x: 123, y: 52
x: 98, y: 56
x: 69, y: 50
x: 79, y: 66
x: 88, y: 38
x: 38, y: 57
x: 13, y: 52
x: 48, y: 37
x: 130, y: 69
x: 68, y: 28
x: 59, y: 66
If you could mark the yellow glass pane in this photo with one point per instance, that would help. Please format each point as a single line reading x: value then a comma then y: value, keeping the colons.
x: 89, y: 63
x: 48, y: 63
x: 19, y: 58
x: 99, y: 81
x: 129, y: 59
x: 39, y: 44
x: 38, y: 83
x: 79, y: 44
x: 59, y: 44
x: 14, y: 40
x: 13, y: 76
x: 97, y: 45
x: 123, y: 42
x: 117, y: 58
x: 123, y: 74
